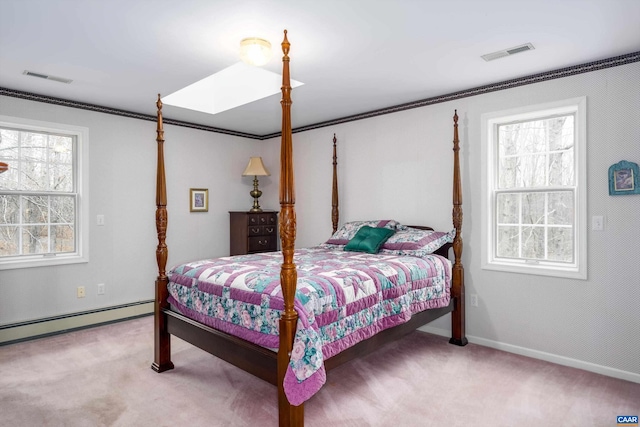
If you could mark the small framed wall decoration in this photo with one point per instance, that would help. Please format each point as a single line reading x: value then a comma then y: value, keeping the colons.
x: 624, y: 178
x: 199, y: 200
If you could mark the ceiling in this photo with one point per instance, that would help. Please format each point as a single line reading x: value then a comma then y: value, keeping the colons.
x: 354, y: 56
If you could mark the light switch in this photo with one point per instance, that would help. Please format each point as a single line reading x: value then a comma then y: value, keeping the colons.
x: 100, y: 220
x: 597, y: 223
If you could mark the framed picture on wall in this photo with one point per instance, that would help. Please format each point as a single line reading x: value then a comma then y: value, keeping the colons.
x: 623, y: 178
x: 199, y: 200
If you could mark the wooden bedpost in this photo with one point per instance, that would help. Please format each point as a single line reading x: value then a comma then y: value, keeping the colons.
x: 289, y: 415
x: 334, y: 190
x: 162, y: 339
x: 458, y: 336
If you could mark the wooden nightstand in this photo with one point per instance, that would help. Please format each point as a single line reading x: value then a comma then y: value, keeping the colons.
x: 253, y: 232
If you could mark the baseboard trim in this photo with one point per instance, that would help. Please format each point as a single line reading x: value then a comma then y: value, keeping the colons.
x: 39, y: 328
x: 541, y: 355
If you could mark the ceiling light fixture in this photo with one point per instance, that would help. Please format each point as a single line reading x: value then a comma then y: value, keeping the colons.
x: 255, y: 51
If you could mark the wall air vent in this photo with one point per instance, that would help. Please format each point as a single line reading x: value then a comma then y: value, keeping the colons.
x: 47, y: 77
x: 507, y: 52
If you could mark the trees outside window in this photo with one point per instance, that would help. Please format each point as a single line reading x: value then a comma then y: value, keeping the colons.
x: 534, y: 188
x: 40, y: 207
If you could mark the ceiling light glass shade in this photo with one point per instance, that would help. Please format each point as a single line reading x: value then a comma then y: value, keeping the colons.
x: 255, y: 51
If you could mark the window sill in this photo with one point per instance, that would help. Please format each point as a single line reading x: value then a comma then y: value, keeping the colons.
x: 43, y: 261
x: 539, y: 269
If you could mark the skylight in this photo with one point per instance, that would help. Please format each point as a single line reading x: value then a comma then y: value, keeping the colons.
x: 236, y: 85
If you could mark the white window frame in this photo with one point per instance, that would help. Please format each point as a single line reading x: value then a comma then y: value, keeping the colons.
x: 489, y: 123
x: 81, y: 169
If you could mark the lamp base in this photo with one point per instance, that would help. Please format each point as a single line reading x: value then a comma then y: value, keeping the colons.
x: 255, y: 193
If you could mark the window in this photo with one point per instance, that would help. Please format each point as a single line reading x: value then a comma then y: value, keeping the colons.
x: 43, y: 209
x: 534, y: 204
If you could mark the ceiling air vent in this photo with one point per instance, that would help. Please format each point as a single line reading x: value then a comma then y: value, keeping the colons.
x: 507, y: 52
x: 47, y: 77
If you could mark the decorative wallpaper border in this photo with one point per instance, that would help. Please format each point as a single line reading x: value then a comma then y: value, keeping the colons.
x: 508, y: 84
x: 108, y: 110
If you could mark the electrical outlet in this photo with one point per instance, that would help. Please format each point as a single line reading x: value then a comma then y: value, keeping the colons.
x: 81, y: 292
x: 101, y: 289
x: 474, y: 300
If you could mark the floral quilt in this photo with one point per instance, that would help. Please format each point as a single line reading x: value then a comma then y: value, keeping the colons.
x: 342, y: 298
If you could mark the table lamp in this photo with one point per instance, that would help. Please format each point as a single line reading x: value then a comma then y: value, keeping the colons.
x: 255, y: 168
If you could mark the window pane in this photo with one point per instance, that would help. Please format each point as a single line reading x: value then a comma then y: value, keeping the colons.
x: 507, y: 172
x: 9, y: 144
x: 35, y: 209
x: 60, y: 149
x: 561, y: 168
x: 9, y: 179
x: 561, y: 208
x: 61, y: 178
x: 522, y: 138
x: 63, y: 239
x: 508, y: 242
x: 9, y: 209
x: 34, y: 146
x: 35, y: 239
x: 532, y: 137
x: 560, y: 244
x: 561, y: 133
x: 508, y: 140
x: 533, y: 242
x: 507, y: 207
x: 533, y: 208
x: 63, y: 209
x: 33, y: 176
x: 8, y: 240
x: 532, y: 172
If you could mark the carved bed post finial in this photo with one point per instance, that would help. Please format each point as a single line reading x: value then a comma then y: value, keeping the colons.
x: 289, y: 415
x: 161, y: 199
x: 458, y: 316
x: 162, y: 339
x: 334, y: 191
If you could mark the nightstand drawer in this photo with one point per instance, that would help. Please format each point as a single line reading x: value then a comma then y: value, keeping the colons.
x: 262, y: 244
x: 262, y: 230
x: 268, y: 219
x: 262, y: 219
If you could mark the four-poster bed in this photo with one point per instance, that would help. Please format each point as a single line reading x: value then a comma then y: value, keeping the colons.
x: 300, y: 344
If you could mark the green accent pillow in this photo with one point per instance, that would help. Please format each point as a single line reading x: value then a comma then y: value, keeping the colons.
x: 369, y: 239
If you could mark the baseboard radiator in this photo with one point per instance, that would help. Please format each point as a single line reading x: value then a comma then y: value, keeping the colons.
x: 39, y: 328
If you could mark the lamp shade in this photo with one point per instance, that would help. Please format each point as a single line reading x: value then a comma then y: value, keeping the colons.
x: 255, y: 168
x: 255, y: 51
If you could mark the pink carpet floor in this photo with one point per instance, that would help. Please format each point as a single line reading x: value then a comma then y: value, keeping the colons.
x: 102, y: 377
